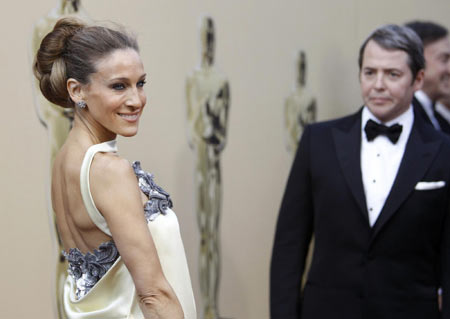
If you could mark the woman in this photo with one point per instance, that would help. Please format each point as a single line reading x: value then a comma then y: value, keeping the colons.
x: 121, y: 238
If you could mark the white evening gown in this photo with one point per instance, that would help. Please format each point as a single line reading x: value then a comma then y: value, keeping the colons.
x: 98, y: 284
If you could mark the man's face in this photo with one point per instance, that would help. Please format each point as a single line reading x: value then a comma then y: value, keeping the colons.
x: 437, y: 70
x: 387, y: 86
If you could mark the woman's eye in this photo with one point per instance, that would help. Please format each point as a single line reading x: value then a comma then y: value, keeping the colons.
x: 118, y: 86
x: 141, y: 83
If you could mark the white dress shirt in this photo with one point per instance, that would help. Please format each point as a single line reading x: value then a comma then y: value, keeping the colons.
x: 380, y: 160
x: 427, y: 104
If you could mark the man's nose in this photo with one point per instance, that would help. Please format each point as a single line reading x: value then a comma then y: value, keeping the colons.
x: 379, y: 82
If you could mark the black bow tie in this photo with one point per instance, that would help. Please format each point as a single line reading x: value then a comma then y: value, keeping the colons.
x: 373, y: 129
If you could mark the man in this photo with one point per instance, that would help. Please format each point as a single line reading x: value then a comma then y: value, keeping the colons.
x: 378, y: 205
x: 437, y: 71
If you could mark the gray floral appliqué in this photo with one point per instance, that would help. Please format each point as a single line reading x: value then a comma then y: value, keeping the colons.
x: 87, y: 269
x: 158, y: 199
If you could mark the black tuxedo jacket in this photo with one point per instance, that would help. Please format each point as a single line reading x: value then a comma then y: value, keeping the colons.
x: 418, y: 109
x: 390, y: 270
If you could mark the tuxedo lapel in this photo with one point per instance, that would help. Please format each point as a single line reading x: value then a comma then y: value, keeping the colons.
x: 347, y: 142
x: 416, y: 159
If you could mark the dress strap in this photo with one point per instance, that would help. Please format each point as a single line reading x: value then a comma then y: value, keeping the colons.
x: 88, y: 201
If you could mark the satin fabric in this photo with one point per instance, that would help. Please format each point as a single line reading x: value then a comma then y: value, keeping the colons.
x: 114, y: 296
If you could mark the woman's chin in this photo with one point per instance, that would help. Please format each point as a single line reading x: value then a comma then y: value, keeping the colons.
x: 128, y: 133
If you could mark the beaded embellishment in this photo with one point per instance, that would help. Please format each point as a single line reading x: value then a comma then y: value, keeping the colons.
x: 158, y: 199
x: 87, y: 269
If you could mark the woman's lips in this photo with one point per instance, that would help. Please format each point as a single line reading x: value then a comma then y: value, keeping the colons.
x: 130, y: 117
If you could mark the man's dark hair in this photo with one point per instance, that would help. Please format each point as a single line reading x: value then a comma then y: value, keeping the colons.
x: 428, y: 31
x: 395, y: 37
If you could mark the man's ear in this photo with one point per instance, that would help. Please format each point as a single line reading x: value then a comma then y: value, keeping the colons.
x: 75, y: 90
x: 418, y: 81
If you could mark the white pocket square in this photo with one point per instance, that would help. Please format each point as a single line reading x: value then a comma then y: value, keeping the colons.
x: 424, y: 186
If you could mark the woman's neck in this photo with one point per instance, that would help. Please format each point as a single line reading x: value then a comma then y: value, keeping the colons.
x: 93, y: 130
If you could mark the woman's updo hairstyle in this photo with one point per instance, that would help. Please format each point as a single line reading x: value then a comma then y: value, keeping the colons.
x: 71, y: 50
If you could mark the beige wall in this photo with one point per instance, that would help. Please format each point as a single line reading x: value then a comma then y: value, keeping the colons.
x: 256, y: 45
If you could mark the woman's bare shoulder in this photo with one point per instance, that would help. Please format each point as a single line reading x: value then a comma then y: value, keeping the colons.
x: 109, y: 167
x: 113, y: 183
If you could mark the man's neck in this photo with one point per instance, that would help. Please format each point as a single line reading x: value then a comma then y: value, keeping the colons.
x: 407, y: 115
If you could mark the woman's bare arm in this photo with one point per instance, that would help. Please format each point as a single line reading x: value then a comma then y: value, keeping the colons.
x: 117, y: 196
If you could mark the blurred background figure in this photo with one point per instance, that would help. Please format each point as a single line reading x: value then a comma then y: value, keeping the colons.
x: 58, y: 122
x: 436, y: 84
x: 208, y: 101
x: 300, y: 107
x: 443, y: 108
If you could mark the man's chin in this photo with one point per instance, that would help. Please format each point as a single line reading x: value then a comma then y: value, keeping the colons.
x: 381, y: 112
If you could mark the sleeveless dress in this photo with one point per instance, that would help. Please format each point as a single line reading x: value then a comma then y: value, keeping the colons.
x: 98, y: 284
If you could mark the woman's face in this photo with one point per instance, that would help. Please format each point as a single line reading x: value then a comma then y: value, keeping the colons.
x: 115, y: 95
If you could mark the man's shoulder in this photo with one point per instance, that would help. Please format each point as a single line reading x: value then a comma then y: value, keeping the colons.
x: 429, y: 134
x: 344, y: 123
x: 415, y: 101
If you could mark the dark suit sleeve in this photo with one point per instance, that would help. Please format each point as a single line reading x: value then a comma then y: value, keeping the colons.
x: 445, y: 268
x: 292, y: 237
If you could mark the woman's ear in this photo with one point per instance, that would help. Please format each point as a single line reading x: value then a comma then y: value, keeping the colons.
x: 75, y: 90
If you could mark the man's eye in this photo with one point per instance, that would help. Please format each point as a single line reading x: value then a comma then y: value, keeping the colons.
x: 368, y: 72
x: 141, y: 83
x: 118, y: 86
